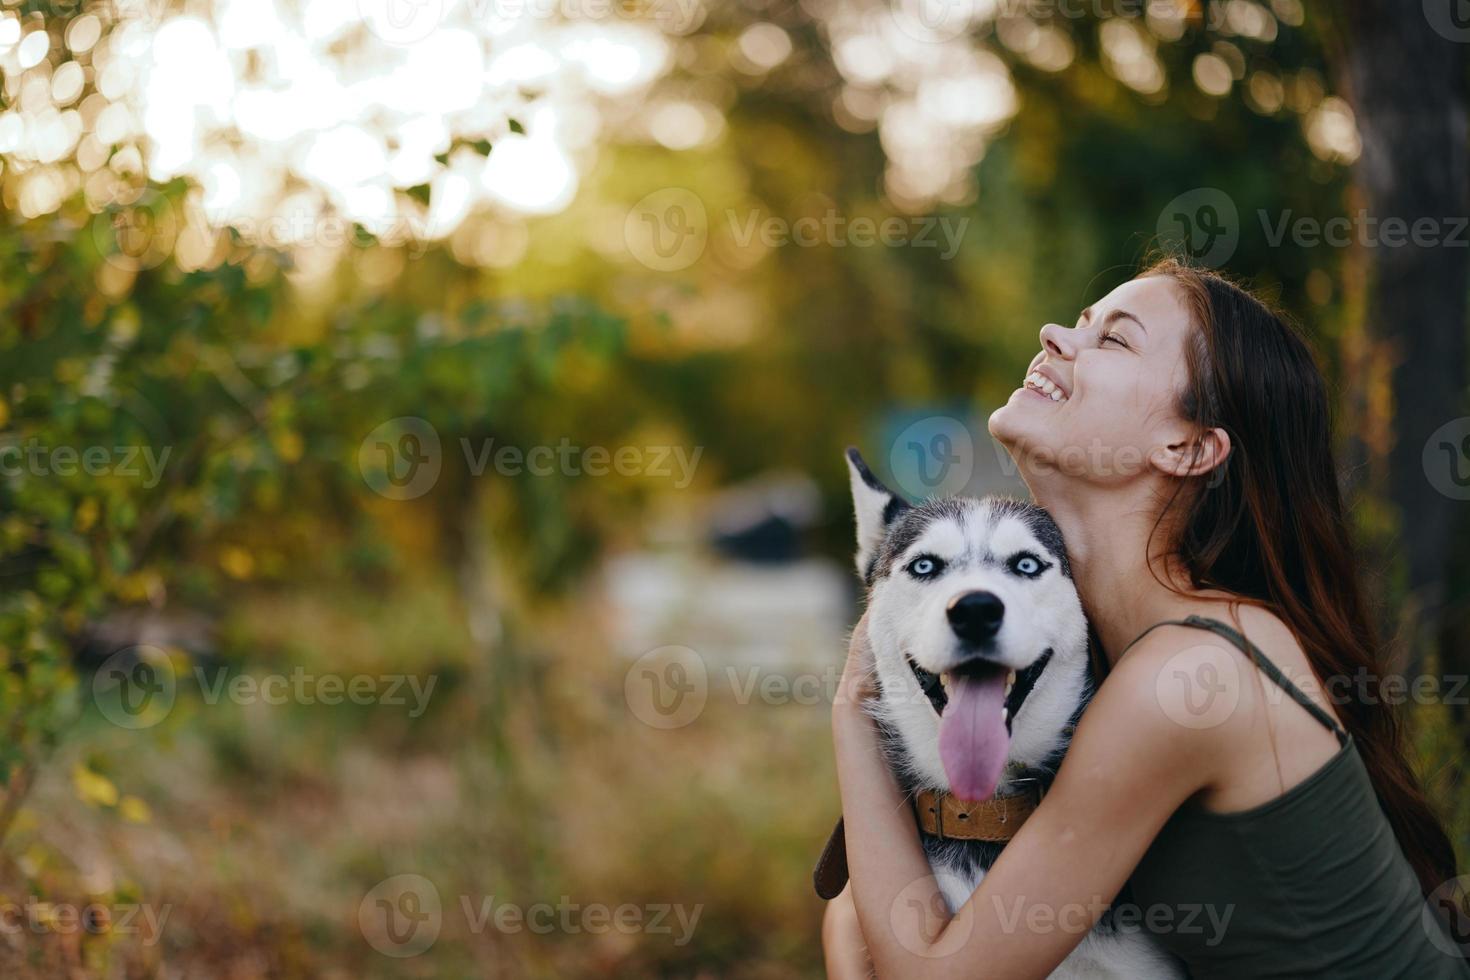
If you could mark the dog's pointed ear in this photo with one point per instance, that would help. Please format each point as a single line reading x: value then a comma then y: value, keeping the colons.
x: 876, y: 507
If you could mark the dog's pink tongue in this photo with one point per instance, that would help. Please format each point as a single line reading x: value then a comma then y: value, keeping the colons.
x: 972, y: 735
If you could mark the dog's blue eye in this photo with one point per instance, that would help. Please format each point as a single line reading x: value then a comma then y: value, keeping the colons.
x: 1027, y: 564
x: 924, y: 566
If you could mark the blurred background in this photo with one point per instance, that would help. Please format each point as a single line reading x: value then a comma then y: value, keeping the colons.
x: 423, y: 529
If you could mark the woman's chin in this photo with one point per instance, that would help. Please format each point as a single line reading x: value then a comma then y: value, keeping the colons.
x: 1014, y: 419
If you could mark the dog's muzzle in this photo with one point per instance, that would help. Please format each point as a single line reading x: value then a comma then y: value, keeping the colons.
x: 1026, y: 679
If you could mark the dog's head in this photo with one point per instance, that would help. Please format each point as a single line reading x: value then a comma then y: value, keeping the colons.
x: 978, y: 634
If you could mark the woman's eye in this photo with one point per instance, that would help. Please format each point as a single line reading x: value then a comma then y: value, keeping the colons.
x: 1113, y: 337
x: 924, y: 566
x: 1027, y: 565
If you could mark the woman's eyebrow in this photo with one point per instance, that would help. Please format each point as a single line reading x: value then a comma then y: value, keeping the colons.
x: 1117, y: 315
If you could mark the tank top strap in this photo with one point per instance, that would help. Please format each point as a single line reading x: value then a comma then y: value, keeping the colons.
x: 1259, y: 658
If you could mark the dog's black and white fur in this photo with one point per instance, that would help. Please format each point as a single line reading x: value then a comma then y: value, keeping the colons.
x: 1014, y: 552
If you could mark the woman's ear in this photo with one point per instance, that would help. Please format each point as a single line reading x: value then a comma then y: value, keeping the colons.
x: 1194, y: 455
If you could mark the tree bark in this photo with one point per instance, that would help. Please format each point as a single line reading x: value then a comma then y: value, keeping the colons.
x: 1406, y: 82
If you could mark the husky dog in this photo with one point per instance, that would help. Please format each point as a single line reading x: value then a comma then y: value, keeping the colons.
x: 981, y: 653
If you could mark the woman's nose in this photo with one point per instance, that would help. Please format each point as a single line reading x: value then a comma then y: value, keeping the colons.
x: 1057, y: 339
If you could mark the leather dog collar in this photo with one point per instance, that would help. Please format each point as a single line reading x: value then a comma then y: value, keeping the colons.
x: 996, y: 819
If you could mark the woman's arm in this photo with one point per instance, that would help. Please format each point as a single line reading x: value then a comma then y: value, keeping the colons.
x: 1129, y: 767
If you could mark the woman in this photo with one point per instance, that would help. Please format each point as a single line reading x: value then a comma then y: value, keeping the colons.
x: 1180, y: 438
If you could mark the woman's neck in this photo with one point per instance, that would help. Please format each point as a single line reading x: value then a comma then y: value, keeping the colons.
x: 1107, y: 535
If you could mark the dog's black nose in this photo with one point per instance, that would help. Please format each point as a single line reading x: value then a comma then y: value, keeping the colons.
x: 975, y: 616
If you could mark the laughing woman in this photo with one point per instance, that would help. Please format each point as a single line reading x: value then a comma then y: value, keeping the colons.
x: 1179, y: 435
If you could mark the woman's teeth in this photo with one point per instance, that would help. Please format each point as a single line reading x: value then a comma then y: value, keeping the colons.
x: 1045, y: 386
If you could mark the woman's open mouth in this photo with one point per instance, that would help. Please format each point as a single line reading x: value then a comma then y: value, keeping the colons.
x: 1039, y: 384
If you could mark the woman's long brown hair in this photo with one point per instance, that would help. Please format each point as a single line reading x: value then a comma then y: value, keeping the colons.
x: 1268, y: 525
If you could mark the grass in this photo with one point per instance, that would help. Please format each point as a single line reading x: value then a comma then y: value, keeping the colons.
x: 269, y: 824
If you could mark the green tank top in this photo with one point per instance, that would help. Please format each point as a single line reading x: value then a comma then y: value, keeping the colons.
x: 1311, y: 883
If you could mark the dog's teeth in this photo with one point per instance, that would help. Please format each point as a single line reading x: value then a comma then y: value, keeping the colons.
x: 944, y: 682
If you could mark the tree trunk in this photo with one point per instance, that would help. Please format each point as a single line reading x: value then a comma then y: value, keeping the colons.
x: 1407, y: 85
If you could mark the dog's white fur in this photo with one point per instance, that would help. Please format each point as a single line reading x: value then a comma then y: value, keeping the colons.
x: 977, y: 538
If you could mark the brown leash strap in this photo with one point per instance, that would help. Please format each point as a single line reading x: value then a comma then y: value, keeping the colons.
x: 830, y: 876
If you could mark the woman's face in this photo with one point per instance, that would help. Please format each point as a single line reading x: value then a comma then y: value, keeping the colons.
x: 1101, y: 399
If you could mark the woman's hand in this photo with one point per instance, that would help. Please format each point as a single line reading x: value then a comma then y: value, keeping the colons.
x: 859, y: 681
